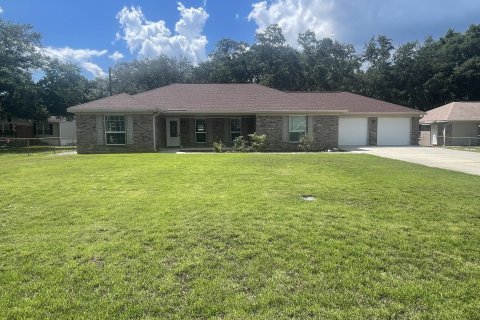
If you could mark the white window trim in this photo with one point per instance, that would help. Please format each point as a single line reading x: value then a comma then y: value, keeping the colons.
x: 240, y: 132
x: 105, y: 129
x: 204, y: 132
x: 306, y: 126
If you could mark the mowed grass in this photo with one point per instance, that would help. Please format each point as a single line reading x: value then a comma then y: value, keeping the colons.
x: 228, y: 236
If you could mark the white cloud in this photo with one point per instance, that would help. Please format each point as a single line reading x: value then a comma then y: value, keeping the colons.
x: 93, y: 69
x: 1, y: 10
x: 356, y: 21
x: 295, y: 16
x: 116, y: 56
x: 150, y: 39
x: 81, y: 57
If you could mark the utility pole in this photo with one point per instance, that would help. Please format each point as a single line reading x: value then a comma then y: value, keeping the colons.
x: 110, y: 80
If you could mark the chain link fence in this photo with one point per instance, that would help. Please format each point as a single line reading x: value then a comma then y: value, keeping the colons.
x: 466, y: 142
x: 31, y: 146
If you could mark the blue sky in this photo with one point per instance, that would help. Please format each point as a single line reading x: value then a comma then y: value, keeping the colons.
x: 97, y: 34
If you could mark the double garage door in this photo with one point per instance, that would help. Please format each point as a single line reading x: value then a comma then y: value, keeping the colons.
x: 353, y: 131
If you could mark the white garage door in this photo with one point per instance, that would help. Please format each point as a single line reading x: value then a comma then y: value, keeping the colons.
x: 352, y: 131
x: 393, y: 131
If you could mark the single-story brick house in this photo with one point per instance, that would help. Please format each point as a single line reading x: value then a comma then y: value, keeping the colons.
x: 196, y: 115
x: 456, y: 123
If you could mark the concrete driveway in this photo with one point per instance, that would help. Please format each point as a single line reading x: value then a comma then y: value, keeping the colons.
x: 462, y: 161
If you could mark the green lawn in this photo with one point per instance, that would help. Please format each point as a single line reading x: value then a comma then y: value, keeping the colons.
x: 228, y: 236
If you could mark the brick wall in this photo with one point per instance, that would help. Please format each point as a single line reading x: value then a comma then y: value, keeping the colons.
x: 87, y: 135
x: 272, y: 127
x: 372, y: 131
x: 424, y: 138
x: 325, y: 132
x: 415, y: 133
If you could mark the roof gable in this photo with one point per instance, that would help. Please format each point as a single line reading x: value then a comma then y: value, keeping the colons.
x: 118, y: 102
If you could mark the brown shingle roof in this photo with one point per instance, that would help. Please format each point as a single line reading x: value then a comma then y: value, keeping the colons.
x: 118, y: 102
x: 204, y: 98
x: 349, y: 101
x: 455, y: 111
x: 237, y: 98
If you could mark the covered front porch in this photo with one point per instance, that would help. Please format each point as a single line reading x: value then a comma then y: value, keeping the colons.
x: 200, y: 131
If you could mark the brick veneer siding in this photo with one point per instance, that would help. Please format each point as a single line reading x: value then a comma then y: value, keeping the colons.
x: 415, y: 132
x: 372, y: 131
x: 325, y: 132
x: 87, y: 135
x: 425, y: 138
x: 272, y: 126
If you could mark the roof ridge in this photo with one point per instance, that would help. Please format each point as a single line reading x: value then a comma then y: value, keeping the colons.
x: 450, y: 108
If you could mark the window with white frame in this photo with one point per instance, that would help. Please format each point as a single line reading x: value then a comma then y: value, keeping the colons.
x: 200, y: 131
x: 115, y: 133
x: 297, y: 127
x: 235, y: 128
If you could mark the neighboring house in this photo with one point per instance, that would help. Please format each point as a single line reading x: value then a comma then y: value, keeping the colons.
x: 457, y: 123
x: 16, y: 128
x: 56, y: 131
x: 196, y: 115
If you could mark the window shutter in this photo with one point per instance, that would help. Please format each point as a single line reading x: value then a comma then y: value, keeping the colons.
x: 310, y: 124
x: 129, y: 127
x: 285, y: 129
x: 100, y: 131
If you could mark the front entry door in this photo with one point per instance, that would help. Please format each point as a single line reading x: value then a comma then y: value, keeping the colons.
x: 173, y: 132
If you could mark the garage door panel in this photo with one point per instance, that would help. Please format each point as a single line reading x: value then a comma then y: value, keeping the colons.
x: 393, y: 131
x: 352, y: 131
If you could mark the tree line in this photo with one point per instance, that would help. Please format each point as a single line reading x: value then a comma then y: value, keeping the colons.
x: 421, y: 75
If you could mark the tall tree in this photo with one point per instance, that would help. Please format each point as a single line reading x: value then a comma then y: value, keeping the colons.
x: 19, y: 55
x: 228, y: 63
x: 327, y: 64
x: 377, y: 80
x: 141, y: 75
x: 272, y: 62
x: 62, y: 86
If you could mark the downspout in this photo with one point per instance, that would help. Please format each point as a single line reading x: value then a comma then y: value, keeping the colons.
x: 155, y: 115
